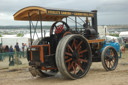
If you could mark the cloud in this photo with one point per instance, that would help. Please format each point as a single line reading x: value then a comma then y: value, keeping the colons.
x: 114, y: 6
x: 109, y: 11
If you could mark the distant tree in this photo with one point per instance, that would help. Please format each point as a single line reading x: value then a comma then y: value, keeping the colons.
x: 20, y: 35
x: 0, y: 35
x: 116, y: 35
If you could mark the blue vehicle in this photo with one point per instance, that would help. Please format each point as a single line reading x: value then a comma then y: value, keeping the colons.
x: 114, y: 45
x: 115, y: 42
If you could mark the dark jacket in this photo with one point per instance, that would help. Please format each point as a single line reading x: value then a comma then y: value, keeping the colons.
x: 11, y: 50
x: 17, y: 47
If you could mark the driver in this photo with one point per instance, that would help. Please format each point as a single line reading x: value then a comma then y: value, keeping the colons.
x: 87, y: 24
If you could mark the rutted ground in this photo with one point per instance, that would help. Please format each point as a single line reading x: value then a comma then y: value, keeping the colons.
x: 96, y: 76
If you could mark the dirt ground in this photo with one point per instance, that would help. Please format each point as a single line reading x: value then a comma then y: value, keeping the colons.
x: 96, y: 76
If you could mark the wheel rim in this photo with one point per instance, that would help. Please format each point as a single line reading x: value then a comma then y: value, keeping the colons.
x: 77, y: 57
x: 110, y: 59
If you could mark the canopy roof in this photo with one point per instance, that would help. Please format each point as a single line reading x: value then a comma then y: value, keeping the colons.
x: 48, y: 14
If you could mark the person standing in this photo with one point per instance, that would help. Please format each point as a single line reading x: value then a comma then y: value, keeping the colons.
x: 125, y: 41
x: 17, y: 49
x: 29, y: 45
x: 87, y: 24
x: 23, y: 48
x: 113, y: 40
x: 11, y: 58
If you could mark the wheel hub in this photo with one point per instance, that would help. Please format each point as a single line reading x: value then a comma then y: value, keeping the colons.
x: 110, y: 58
x: 75, y: 55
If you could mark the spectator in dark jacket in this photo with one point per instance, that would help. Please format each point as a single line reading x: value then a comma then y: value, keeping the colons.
x: 17, y: 49
x: 11, y: 53
x: 23, y: 49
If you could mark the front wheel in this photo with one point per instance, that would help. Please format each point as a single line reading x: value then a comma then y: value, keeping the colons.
x: 109, y: 58
x: 73, y: 56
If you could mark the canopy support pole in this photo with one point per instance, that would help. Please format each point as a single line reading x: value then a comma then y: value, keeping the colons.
x: 41, y: 22
x: 66, y: 20
x: 81, y: 20
x: 30, y: 27
x: 76, y: 23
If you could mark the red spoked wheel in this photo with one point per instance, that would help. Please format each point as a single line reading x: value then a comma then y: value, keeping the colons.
x: 109, y: 58
x: 73, y: 56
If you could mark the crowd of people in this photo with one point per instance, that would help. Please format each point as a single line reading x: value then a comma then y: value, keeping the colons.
x: 20, y: 52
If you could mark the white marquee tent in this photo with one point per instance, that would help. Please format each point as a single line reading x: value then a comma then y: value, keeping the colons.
x: 123, y: 34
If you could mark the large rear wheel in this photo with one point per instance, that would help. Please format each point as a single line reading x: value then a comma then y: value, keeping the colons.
x: 73, y: 56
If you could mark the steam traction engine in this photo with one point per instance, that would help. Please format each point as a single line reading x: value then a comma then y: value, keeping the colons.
x: 65, y: 50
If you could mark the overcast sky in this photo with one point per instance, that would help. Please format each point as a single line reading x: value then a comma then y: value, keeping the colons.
x: 110, y: 12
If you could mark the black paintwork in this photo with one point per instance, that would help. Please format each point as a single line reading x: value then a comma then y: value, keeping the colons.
x: 88, y: 32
